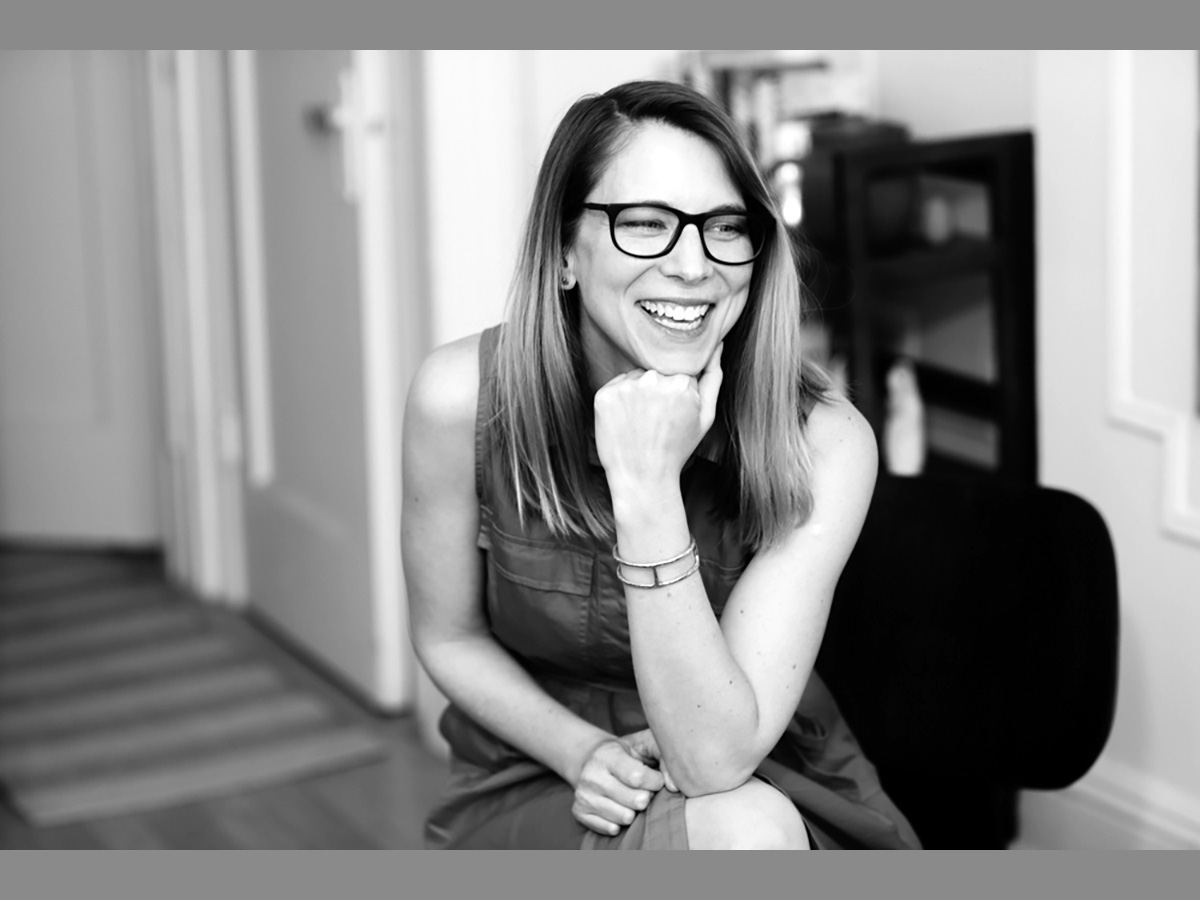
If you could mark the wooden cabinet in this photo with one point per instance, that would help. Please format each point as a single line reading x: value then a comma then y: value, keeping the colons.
x: 928, y: 255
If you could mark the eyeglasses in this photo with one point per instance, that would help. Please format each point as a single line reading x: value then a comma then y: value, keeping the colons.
x: 650, y: 230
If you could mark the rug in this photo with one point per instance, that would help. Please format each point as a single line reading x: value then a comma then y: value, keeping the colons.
x: 119, y: 694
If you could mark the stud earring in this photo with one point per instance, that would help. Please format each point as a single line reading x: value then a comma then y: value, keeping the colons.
x: 567, y: 281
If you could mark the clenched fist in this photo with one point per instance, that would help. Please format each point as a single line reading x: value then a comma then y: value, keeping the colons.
x: 648, y: 424
x: 618, y: 780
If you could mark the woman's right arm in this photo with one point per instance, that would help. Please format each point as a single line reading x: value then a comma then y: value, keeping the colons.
x: 444, y: 572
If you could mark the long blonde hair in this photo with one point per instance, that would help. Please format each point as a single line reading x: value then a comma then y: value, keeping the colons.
x: 543, y: 410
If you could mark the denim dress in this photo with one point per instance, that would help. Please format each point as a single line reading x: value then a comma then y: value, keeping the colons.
x: 557, y: 607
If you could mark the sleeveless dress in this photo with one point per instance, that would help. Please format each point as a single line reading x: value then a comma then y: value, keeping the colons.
x: 559, y: 609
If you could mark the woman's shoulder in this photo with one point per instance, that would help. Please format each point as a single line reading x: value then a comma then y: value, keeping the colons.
x: 445, y: 387
x: 842, y: 440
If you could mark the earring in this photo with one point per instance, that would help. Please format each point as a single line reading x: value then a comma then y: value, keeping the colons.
x: 567, y: 281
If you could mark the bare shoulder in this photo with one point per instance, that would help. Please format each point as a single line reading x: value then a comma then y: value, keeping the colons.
x: 836, y: 426
x: 445, y: 389
x: 844, y: 449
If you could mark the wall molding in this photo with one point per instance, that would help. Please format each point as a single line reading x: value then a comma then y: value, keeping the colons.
x: 201, y: 467
x: 382, y: 115
x: 251, y: 285
x: 1180, y: 518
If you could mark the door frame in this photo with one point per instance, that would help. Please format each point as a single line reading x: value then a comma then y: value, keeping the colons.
x: 216, y: 387
x: 201, y: 453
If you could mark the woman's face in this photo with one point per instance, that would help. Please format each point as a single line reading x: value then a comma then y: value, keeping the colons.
x: 639, y: 313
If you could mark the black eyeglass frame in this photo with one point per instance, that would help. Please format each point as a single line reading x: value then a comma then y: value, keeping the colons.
x: 685, y: 219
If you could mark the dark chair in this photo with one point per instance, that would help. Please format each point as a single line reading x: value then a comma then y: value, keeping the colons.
x: 972, y: 647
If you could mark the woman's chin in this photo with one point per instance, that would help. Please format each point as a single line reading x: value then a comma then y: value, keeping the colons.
x: 681, y: 363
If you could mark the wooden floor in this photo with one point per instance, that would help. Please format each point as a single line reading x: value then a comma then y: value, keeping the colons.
x: 379, y: 805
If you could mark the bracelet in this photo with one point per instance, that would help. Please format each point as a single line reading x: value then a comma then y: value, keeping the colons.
x: 654, y: 567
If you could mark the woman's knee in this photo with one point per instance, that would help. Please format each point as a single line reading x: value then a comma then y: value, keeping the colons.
x: 754, y: 816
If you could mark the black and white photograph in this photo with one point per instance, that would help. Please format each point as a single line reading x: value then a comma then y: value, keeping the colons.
x: 599, y: 449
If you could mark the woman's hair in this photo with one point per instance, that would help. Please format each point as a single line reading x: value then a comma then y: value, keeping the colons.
x: 543, y: 423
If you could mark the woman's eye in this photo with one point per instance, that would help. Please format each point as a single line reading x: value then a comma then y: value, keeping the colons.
x: 643, y: 223
x: 727, y: 227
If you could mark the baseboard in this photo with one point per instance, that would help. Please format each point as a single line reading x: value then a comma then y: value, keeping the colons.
x: 1114, y: 808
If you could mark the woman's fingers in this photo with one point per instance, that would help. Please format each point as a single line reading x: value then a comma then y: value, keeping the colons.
x: 593, y: 808
x: 598, y: 824
x: 609, y: 809
x: 613, y: 787
x: 623, y: 777
x: 637, y: 776
x: 644, y: 745
x: 647, y: 423
x: 668, y: 781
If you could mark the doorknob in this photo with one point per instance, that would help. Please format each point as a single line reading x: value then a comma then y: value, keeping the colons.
x: 342, y: 118
x: 326, y: 118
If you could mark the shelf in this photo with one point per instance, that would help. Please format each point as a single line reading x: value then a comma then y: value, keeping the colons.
x: 939, y: 465
x: 881, y: 295
x: 941, y: 387
x: 923, y: 262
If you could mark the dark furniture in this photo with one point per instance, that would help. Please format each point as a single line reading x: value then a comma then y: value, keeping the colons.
x: 972, y: 647
x: 956, y: 296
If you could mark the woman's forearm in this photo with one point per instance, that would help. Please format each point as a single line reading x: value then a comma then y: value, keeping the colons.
x: 698, y: 701
x: 487, y: 684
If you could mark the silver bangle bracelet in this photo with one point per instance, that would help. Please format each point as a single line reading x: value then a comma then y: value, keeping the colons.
x: 659, y: 581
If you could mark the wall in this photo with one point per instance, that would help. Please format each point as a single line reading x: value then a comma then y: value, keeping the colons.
x: 1097, y: 377
x: 947, y: 93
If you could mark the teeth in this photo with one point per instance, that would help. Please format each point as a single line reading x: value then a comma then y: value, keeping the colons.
x: 675, y: 311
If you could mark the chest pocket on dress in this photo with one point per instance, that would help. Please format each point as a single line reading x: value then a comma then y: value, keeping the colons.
x: 537, y: 598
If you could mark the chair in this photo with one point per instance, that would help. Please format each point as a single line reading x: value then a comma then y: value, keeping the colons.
x: 972, y: 647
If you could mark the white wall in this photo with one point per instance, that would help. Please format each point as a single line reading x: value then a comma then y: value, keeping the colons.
x: 1096, y: 379
x: 947, y: 93
x: 490, y: 117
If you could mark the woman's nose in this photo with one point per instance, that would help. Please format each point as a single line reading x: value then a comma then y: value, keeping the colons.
x: 687, y: 259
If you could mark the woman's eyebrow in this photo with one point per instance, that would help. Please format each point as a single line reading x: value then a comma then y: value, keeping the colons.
x: 716, y: 210
x: 728, y: 208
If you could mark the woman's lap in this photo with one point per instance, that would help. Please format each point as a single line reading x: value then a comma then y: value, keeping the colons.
x: 541, y: 819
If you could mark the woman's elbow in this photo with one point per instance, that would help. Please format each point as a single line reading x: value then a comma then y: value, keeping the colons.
x: 699, y: 777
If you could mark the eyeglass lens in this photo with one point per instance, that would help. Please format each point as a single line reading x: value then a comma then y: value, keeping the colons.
x: 649, y: 230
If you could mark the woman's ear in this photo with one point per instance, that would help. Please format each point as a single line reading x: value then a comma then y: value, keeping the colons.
x: 567, y: 275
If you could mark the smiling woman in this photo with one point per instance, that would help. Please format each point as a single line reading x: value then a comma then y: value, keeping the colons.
x: 651, y: 293
x: 626, y: 510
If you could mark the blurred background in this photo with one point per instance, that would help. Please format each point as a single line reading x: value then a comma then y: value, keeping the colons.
x: 219, y: 269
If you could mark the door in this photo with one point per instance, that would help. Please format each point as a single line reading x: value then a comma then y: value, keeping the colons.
x: 77, y: 409
x: 313, y: 134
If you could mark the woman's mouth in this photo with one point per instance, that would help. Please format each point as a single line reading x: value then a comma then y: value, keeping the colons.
x: 677, y: 317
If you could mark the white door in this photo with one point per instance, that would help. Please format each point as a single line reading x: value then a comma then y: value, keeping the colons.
x: 313, y: 134
x: 77, y: 411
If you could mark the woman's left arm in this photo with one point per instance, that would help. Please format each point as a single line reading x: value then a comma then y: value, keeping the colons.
x: 718, y: 694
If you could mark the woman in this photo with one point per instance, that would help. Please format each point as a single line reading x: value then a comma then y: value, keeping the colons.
x: 626, y: 509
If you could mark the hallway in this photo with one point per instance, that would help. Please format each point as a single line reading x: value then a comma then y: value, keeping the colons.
x: 376, y: 805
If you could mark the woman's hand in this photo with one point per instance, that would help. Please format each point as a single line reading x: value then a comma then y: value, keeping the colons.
x: 648, y: 424
x: 617, y: 781
x: 644, y: 745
